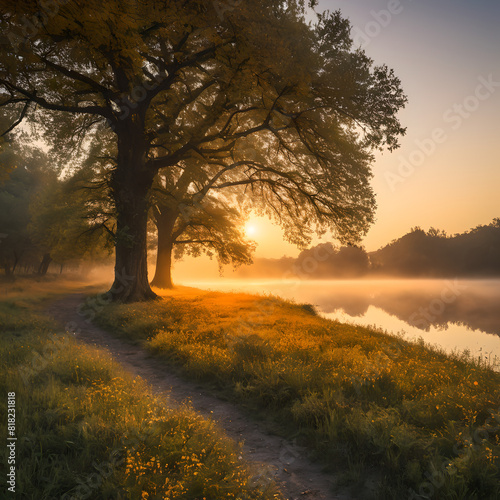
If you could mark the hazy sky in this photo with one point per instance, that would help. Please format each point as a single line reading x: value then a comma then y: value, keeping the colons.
x: 445, y: 52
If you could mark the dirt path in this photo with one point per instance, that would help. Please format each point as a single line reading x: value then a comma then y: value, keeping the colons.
x: 299, y: 478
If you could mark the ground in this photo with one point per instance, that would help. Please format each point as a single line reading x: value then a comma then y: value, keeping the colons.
x: 277, y: 457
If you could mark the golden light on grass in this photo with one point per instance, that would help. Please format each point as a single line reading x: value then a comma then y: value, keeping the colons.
x: 376, y: 393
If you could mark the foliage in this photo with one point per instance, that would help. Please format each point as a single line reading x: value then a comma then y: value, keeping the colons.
x: 65, y: 221
x: 322, y: 261
x: 217, y: 229
x: 418, y: 253
x: 475, y: 252
x: 212, y: 226
x: 355, y: 394
x: 43, y: 215
x: 284, y: 112
x: 326, y: 261
x: 91, y: 431
x: 26, y: 179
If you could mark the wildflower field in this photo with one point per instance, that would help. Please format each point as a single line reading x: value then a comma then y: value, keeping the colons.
x: 424, y: 424
x: 86, y: 430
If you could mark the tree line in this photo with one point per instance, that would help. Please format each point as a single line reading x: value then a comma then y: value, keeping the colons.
x: 67, y: 220
x: 435, y: 254
x: 417, y: 254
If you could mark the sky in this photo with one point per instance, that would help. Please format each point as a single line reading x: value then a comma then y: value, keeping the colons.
x: 446, y: 174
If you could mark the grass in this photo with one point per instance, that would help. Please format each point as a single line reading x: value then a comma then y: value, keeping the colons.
x: 86, y: 429
x: 428, y: 423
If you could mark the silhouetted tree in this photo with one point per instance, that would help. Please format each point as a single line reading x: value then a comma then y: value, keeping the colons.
x: 434, y: 254
x: 64, y: 223
x: 212, y: 227
x: 325, y: 261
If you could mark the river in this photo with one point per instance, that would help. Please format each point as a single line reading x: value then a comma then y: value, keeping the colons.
x: 455, y: 315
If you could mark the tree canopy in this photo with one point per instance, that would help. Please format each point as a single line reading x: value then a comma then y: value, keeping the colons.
x: 254, y: 99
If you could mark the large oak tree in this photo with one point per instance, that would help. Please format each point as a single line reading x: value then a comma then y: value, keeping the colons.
x: 251, y: 98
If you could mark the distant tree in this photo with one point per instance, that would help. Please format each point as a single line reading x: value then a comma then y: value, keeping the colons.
x: 326, y: 261
x: 212, y: 227
x: 434, y: 254
x: 436, y: 233
x: 265, y: 101
x: 27, y: 176
x: 352, y: 261
x: 63, y: 224
x: 282, y: 268
x: 410, y: 255
x: 480, y: 250
x: 6, y: 165
x: 7, y: 161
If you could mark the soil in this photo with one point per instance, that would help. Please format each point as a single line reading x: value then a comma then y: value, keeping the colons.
x: 298, y: 477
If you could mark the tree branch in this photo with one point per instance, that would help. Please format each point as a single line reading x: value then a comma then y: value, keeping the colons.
x: 20, y: 119
x: 74, y: 75
x: 32, y: 96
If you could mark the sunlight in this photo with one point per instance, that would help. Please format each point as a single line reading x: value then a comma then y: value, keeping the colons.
x: 251, y: 229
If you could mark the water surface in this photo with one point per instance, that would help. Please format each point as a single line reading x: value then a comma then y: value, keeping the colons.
x: 456, y: 315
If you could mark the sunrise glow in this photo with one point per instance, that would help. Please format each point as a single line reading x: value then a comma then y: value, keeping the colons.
x: 251, y: 229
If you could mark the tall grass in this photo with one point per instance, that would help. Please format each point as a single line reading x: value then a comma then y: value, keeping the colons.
x: 87, y: 430
x: 428, y: 422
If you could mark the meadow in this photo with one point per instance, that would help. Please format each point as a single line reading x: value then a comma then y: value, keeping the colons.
x: 418, y: 422
x: 87, y: 430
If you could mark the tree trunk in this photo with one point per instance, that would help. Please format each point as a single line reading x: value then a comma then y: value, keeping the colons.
x: 16, y: 261
x: 130, y: 186
x: 165, y: 222
x: 44, y: 265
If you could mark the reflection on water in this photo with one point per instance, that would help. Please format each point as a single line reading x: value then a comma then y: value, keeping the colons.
x: 421, y: 304
x: 455, y: 315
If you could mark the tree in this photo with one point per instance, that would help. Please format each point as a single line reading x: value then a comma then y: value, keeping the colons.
x: 212, y: 226
x: 435, y: 254
x: 27, y: 176
x: 213, y: 229
x: 190, y: 90
x: 326, y: 261
x: 66, y: 222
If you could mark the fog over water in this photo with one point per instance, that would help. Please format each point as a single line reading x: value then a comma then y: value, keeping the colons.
x: 452, y: 314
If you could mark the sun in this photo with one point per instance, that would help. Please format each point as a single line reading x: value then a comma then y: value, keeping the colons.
x: 251, y: 229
